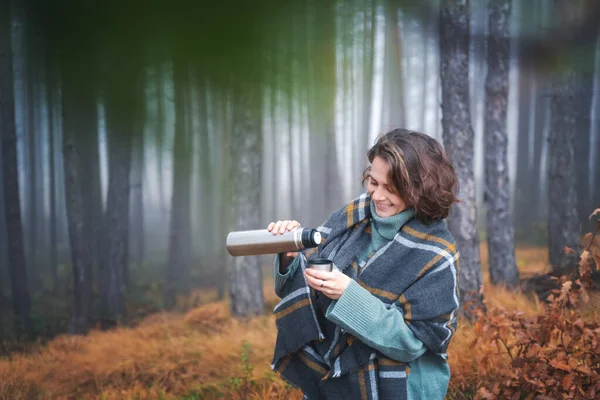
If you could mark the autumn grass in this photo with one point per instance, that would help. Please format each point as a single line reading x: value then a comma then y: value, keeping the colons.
x: 168, y: 356
x: 206, y: 354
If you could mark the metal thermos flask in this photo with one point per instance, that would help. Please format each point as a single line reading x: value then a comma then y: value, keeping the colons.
x: 261, y: 241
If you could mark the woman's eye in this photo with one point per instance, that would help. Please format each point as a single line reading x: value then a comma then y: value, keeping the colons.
x: 373, y: 183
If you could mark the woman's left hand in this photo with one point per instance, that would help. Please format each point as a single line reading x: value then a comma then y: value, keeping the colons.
x: 331, y: 284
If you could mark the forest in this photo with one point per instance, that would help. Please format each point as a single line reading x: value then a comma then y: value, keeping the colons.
x: 136, y: 135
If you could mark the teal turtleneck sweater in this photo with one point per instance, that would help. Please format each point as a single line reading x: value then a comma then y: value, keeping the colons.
x: 363, y: 315
x: 383, y: 229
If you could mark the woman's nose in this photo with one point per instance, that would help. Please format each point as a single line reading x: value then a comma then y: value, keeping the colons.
x: 377, y: 194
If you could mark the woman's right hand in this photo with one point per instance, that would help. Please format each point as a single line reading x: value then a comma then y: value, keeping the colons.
x: 280, y: 227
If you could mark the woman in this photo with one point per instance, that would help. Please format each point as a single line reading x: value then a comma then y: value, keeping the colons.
x: 379, y: 324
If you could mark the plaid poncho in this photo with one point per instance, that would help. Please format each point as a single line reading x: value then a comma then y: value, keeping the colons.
x: 416, y: 273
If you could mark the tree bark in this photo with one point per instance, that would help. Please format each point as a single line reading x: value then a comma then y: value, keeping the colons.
x: 500, y: 235
x: 10, y: 179
x: 367, y: 93
x: 522, y: 205
x: 50, y: 101
x: 137, y: 193
x: 458, y: 139
x: 563, y: 221
x: 79, y: 111
x: 538, y: 202
x: 206, y: 194
x: 522, y: 208
x: 245, y: 284
x: 425, y: 30
x: 595, y: 187
x: 289, y: 135
x: 393, y: 73
x: 325, y: 181
x: 583, y: 138
x: 224, y: 188
x: 160, y: 135
x: 3, y: 250
x: 179, y: 256
x: 120, y: 128
x: 32, y: 155
x: 89, y: 169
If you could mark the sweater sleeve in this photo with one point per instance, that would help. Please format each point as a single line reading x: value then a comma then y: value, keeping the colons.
x: 369, y: 319
x: 281, y: 279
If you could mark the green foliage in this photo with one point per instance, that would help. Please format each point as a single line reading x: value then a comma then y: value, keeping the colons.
x: 245, y: 382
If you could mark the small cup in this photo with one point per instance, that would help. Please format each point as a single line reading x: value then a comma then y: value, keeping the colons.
x: 321, y: 265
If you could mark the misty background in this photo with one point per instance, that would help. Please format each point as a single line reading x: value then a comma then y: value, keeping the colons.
x: 145, y: 132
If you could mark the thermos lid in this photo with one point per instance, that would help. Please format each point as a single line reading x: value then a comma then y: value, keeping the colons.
x: 317, y: 237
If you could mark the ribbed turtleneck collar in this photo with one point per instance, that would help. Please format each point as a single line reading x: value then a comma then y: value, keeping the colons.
x: 387, y: 227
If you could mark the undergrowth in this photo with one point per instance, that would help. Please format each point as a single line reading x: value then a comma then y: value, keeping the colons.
x: 206, y: 354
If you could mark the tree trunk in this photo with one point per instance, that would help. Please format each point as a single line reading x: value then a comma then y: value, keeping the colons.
x: 367, y: 93
x: 458, y: 139
x: 289, y: 135
x: 582, y: 147
x: 79, y: 110
x: 477, y: 73
x: 522, y: 205
x: 32, y: 156
x: 595, y: 187
x: 583, y: 138
x: 120, y: 134
x: 25, y: 74
x: 206, y: 194
x: 537, y: 202
x: 425, y: 31
x: 393, y: 73
x: 503, y: 266
x: 563, y: 221
x: 92, y: 194
x: 3, y: 250
x: 179, y: 257
x: 2, y: 306
x: 137, y: 195
x: 522, y: 197
x: 325, y: 182
x: 160, y: 138
x: 224, y: 188
x: 123, y: 88
x: 539, y: 164
x: 62, y: 228
x: 50, y: 101
x: 10, y: 179
x: 245, y: 284
x: 268, y: 164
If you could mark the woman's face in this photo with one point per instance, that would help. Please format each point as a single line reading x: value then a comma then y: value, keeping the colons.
x: 384, y: 195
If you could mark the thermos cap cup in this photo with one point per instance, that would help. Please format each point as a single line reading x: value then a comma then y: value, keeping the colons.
x: 321, y: 265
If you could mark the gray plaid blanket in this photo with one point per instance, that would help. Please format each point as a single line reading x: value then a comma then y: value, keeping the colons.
x: 416, y: 273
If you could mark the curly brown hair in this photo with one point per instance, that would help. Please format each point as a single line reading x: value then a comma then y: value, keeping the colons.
x: 419, y: 170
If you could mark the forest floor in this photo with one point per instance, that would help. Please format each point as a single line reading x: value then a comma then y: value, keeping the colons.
x: 206, y: 354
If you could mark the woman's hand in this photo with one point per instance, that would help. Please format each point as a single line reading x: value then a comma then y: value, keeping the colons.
x: 280, y: 227
x: 331, y: 284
